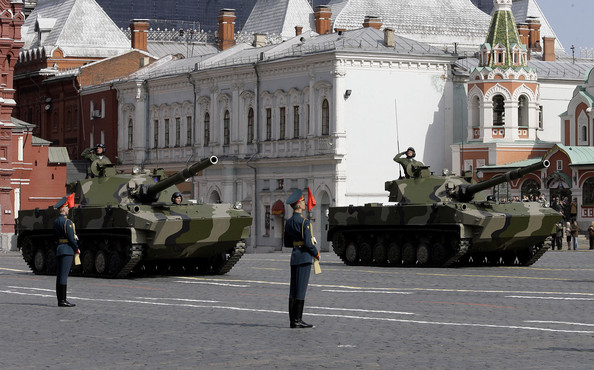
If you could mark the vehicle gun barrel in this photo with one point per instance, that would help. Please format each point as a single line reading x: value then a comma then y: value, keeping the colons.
x: 181, y: 176
x: 466, y: 192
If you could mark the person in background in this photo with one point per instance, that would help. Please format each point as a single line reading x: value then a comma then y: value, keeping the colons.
x: 573, y: 208
x: 591, y: 235
x: 567, y: 231
x: 299, y: 236
x: 558, y: 239
x: 65, y: 234
x: 95, y: 155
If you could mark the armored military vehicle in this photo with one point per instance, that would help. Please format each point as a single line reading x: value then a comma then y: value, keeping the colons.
x: 443, y: 221
x: 126, y: 223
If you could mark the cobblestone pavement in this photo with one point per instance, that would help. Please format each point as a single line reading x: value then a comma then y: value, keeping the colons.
x: 537, y: 317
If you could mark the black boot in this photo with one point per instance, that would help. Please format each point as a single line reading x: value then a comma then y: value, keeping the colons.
x: 298, y: 311
x: 62, y: 302
x: 292, y: 312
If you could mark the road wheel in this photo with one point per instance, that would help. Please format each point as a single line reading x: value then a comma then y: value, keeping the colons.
x: 39, y: 259
x: 88, y: 262
x: 423, y: 254
x: 101, y: 262
x: 50, y: 261
x: 409, y: 254
x: 394, y: 255
x: 365, y: 252
x: 338, y: 243
x: 379, y: 253
x: 114, y: 263
x: 350, y: 253
x: 439, y: 254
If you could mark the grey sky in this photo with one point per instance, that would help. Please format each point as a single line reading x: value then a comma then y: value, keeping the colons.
x: 572, y: 22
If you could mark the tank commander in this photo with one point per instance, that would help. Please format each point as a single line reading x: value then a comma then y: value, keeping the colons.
x: 408, y: 163
x: 95, y: 155
x: 176, y: 198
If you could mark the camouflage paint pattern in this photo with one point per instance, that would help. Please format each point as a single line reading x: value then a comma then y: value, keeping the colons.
x: 116, y: 208
x: 430, y: 206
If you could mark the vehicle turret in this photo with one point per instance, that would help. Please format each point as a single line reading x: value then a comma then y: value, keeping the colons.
x: 426, y: 188
x: 128, y: 225
x: 143, y: 186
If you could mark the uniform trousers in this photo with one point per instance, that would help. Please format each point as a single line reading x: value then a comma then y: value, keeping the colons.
x: 299, y: 280
x: 63, y: 265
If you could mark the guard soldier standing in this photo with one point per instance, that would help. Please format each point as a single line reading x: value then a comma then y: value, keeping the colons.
x: 298, y: 235
x: 67, y: 245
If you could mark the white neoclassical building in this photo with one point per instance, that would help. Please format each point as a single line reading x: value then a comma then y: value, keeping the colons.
x: 326, y: 112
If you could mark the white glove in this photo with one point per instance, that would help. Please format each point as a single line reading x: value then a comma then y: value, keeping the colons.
x: 315, y: 241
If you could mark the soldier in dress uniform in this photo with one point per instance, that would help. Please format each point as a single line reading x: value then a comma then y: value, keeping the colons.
x: 298, y: 235
x: 95, y: 155
x: 67, y: 245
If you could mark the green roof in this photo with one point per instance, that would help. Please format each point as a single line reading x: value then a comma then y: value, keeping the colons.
x: 512, y: 165
x: 503, y: 31
x: 578, y: 155
x: 58, y: 155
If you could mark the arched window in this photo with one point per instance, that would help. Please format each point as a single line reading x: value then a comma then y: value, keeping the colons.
x: 206, y: 129
x: 156, y: 133
x: 250, y: 128
x: 588, y: 192
x: 523, y: 111
x: 530, y: 189
x: 282, y: 121
x: 475, y: 118
x: 189, y: 130
x: 177, y: 131
x: 498, y: 110
x: 268, y: 124
x: 325, y: 117
x: 226, y: 130
x: 130, y: 134
x: 166, y: 133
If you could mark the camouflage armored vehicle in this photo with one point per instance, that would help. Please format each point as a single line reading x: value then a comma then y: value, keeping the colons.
x: 442, y: 221
x: 126, y: 223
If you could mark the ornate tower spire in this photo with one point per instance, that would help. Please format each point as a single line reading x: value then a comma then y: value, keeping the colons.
x: 502, y: 46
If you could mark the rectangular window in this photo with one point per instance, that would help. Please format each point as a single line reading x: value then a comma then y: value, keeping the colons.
x: 268, y: 124
x: 296, y: 122
x: 166, y: 133
x: 560, y: 165
x: 282, y: 123
x: 177, y: 131
x: 540, y: 124
x: 189, y: 130
x: 156, y: 134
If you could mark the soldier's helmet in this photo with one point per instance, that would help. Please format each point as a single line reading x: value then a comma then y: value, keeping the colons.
x: 413, y: 150
x: 175, y: 195
x: 102, y: 147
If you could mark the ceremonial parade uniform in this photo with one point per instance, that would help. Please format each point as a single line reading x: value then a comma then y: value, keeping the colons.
x: 298, y: 236
x: 65, y: 234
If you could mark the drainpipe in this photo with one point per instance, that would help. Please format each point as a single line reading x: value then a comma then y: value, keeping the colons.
x: 147, y: 123
x: 256, y: 137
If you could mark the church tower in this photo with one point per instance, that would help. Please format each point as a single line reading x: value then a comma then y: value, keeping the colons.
x: 503, y: 91
x: 503, y: 100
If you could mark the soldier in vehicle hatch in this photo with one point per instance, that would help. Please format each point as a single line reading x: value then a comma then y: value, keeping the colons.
x: 408, y: 163
x: 176, y: 198
x: 97, y: 158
